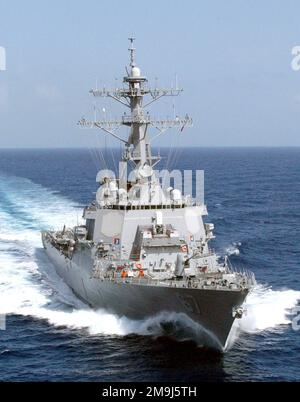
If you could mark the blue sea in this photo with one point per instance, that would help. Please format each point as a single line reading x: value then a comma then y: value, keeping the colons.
x: 253, y: 198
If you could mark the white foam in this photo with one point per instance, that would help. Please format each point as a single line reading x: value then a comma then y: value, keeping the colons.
x: 265, y: 310
x: 233, y: 249
x: 268, y: 309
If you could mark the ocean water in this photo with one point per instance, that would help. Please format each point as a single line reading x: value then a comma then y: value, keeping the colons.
x: 253, y: 198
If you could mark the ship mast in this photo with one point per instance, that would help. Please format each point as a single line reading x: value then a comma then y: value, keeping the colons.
x: 138, y: 143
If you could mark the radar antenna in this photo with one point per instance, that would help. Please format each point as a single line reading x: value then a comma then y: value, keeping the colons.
x: 138, y: 143
x: 132, y: 52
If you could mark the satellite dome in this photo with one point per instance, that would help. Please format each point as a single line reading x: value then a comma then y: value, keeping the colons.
x: 136, y: 72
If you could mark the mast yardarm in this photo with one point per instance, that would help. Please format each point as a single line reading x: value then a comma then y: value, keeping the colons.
x: 139, y: 121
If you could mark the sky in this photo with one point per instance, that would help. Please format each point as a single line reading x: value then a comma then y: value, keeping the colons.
x: 233, y: 59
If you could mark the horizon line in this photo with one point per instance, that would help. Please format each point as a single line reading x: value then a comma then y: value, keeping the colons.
x: 162, y: 147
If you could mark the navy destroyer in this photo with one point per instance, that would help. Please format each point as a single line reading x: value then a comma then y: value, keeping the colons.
x: 144, y: 249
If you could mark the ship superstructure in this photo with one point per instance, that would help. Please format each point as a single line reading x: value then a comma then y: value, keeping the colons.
x: 144, y: 249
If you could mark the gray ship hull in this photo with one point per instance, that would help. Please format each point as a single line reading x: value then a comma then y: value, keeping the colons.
x: 212, y: 309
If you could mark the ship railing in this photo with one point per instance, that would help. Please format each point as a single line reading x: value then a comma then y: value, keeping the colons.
x: 243, y: 272
x: 174, y: 282
x: 127, y: 205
